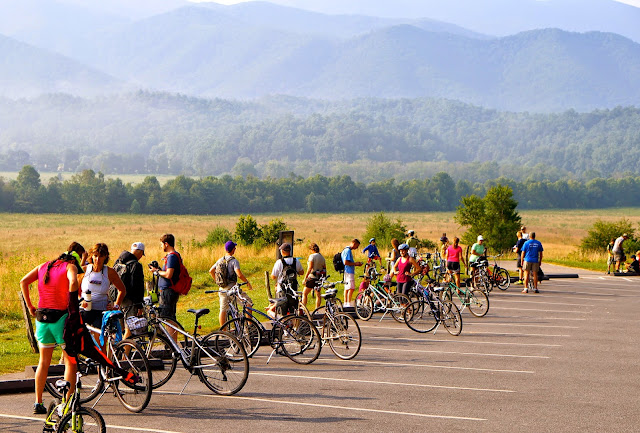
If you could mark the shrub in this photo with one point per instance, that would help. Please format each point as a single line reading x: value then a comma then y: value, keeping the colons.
x: 218, y: 236
x: 602, y: 232
x: 383, y: 229
x: 271, y: 231
x: 247, y: 230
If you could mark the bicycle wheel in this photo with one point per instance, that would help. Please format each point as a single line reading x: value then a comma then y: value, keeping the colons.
x: 344, y: 336
x: 478, y: 302
x: 339, y: 308
x: 86, y: 420
x: 451, y: 318
x: 162, y: 357
x: 91, y: 382
x: 299, y: 339
x: 222, y: 363
x: 246, y: 331
x: 502, y: 278
x: 364, y: 306
x: 419, y: 317
x: 129, y: 356
x: 400, y: 302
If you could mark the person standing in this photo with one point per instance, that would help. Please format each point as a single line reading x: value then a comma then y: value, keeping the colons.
x: 394, y: 255
x: 233, y: 274
x: 405, y: 269
x: 349, y: 271
x: 531, y: 260
x: 453, y: 256
x: 285, y: 271
x: 413, y: 242
x: 611, y: 260
x: 169, y: 275
x: 518, y: 250
x: 618, y: 251
x: 131, y: 273
x: 57, y: 287
x: 316, y: 268
x: 525, y: 235
x: 97, y: 278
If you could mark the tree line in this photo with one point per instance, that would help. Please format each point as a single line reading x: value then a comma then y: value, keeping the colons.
x: 91, y: 192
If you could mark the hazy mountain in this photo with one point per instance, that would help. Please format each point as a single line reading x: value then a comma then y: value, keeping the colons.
x: 30, y: 71
x: 204, y: 52
x: 497, y: 17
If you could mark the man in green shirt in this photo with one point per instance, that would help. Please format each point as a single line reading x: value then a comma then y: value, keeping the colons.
x: 477, y: 250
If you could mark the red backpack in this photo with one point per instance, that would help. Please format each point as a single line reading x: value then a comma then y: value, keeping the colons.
x: 183, y: 285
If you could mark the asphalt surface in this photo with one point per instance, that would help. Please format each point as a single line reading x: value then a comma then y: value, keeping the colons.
x: 563, y: 360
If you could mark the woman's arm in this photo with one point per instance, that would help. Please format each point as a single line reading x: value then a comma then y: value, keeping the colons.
x: 31, y: 277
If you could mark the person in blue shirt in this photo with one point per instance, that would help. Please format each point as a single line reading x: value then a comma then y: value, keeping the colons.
x: 372, y: 253
x: 531, y: 261
x: 169, y: 275
x: 349, y: 271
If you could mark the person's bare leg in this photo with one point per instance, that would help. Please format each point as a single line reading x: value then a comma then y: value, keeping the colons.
x: 42, y: 371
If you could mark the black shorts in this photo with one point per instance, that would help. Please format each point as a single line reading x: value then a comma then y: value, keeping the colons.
x: 454, y: 267
x: 519, y: 262
x: 168, y: 302
x: 311, y: 283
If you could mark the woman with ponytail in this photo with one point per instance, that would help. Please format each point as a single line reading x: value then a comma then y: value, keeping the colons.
x: 56, y: 280
x: 453, y: 256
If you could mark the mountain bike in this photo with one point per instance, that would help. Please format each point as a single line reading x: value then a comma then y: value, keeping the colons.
x: 338, y: 329
x: 68, y: 415
x: 429, y: 312
x: 293, y: 336
x: 378, y: 298
x: 475, y: 300
x: 218, y: 358
x: 486, y: 279
x: 130, y: 377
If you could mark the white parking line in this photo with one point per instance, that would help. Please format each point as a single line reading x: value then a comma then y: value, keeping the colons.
x: 516, y: 334
x: 382, y: 383
x: 538, y: 318
x: 542, y: 311
x: 447, y: 367
x: 456, y: 353
x: 501, y: 343
x: 112, y: 426
x: 329, y: 406
x: 519, y: 324
x: 527, y: 301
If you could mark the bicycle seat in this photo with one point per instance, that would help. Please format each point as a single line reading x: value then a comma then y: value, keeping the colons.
x: 331, y: 293
x: 278, y: 301
x: 437, y: 289
x: 199, y: 312
x: 62, y: 385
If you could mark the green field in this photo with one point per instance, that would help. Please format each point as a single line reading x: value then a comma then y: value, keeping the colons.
x: 125, y: 178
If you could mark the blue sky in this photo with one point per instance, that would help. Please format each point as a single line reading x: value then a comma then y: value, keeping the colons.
x: 228, y: 2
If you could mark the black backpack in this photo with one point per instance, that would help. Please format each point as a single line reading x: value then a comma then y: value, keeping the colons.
x: 338, y: 264
x: 125, y: 271
x: 290, y: 276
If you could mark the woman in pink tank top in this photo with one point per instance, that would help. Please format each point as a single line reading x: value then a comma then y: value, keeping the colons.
x: 57, y: 283
x: 402, y: 269
x: 453, y: 255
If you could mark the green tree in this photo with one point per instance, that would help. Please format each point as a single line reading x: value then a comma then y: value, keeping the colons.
x: 494, y: 216
x: 602, y: 232
x: 247, y: 230
x: 381, y: 227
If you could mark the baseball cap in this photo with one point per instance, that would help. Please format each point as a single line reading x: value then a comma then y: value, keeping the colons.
x: 480, y: 238
x: 625, y: 235
x: 285, y: 247
x: 229, y: 246
x: 403, y: 247
x: 372, y: 239
x: 138, y: 246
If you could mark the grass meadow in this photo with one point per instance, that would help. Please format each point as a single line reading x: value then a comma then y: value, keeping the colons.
x: 28, y: 240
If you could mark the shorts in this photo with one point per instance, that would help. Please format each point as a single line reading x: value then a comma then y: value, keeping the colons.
x: 312, y: 283
x: 519, y: 262
x: 454, y: 267
x: 349, y: 281
x: 51, y: 334
x: 531, y: 266
x: 611, y: 260
x: 129, y: 308
x: 168, y: 302
x: 619, y: 257
x: 92, y: 317
x: 224, y: 299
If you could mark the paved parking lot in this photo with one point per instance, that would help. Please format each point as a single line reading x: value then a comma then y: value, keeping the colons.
x: 562, y: 360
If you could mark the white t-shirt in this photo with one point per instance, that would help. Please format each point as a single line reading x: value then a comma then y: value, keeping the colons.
x: 617, y: 246
x: 278, y: 268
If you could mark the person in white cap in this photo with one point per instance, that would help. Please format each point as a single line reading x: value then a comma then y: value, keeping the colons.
x: 477, y: 250
x: 131, y: 273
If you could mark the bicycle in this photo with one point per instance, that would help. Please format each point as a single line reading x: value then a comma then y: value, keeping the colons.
x: 485, y: 279
x: 218, y: 358
x: 439, y: 267
x: 129, y: 376
x: 429, y: 312
x: 339, y: 330
x: 475, y: 300
x: 293, y: 336
x: 377, y: 297
x: 68, y: 415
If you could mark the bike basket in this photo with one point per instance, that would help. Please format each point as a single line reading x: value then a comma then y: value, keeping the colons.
x: 137, y: 325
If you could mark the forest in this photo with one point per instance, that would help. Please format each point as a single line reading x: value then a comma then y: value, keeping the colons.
x: 90, y: 192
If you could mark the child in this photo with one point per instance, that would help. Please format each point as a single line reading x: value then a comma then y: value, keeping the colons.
x: 365, y: 283
x: 372, y: 254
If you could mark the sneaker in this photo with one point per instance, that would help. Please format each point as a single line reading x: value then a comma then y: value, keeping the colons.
x: 39, y: 409
x: 536, y: 291
x: 525, y: 291
x: 520, y: 282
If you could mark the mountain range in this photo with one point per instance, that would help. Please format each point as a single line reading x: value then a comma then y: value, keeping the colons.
x: 255, y: 49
